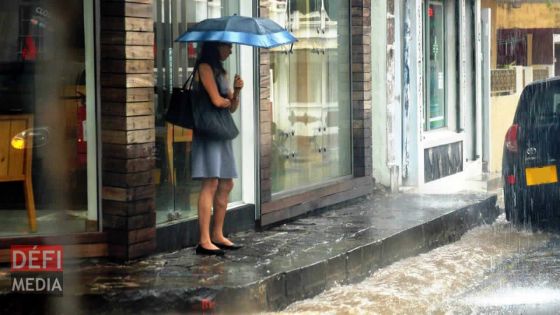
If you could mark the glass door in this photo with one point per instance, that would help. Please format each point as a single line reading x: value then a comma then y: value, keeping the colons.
x: 310, y: 95
x: 336, y: 109
x: 435, y: 67
x: 176, y: 191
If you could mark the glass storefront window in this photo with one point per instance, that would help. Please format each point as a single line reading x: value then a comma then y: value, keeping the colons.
x: 311, y: 94
x: 435, y: 110
x: 176, y: 191
x: 48, y: 158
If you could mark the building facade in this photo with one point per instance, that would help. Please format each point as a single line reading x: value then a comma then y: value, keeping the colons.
x: 447, y: 76
x: 429, y: 80
x: 104, y: 174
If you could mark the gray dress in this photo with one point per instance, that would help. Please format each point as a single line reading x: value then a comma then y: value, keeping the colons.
x: 213, y: 158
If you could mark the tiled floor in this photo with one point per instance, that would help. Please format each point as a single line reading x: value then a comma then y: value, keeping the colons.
x: 15, y: 223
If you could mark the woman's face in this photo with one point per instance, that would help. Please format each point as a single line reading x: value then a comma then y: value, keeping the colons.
x: 224, y: 50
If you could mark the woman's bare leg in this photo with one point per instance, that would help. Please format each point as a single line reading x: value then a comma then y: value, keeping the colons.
x: 220, y: 205
x: 205, y: 199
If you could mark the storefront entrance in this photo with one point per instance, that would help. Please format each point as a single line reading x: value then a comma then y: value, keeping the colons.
x: 176, y: 191
x: 48, y: 153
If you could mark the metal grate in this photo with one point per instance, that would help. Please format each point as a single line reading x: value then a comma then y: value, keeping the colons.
x: 540, y: 74
x: 503, y: 81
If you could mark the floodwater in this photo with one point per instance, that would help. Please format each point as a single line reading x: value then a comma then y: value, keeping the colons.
x: 432, y: 283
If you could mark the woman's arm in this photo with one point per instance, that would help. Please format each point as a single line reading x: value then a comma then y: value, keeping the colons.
x: 234, y: 96
x: 206, y: 76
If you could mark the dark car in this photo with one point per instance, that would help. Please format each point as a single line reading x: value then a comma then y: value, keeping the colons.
x: 531, y: 157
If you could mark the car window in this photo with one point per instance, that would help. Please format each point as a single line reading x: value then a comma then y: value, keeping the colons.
x: 540, y: 104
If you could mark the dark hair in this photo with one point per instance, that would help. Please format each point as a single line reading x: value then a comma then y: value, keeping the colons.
x: 209, y: 54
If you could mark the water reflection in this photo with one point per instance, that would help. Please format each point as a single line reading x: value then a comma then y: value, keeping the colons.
x: 29, y: 138
x: 434, y: 282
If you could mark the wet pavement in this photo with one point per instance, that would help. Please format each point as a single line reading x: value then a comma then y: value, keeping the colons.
x: 338, y: 245
x: 523, y: 284
x: 492, y: 269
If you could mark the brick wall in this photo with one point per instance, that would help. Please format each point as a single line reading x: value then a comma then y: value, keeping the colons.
x: 361, y: 87
x: 128, y: 133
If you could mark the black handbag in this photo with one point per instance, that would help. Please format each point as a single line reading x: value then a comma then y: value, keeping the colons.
x: 180, y: 109
x: 210, y: 121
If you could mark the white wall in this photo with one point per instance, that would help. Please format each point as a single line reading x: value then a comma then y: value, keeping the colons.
x: 412, y: 94
x: 249, y: 112
x: 379, y: 87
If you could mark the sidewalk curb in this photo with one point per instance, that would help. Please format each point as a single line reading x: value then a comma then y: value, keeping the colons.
x: 280, y: 290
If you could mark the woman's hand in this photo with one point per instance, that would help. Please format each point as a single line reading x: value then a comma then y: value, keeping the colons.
x: 226, y: 103
x: 237, y: 82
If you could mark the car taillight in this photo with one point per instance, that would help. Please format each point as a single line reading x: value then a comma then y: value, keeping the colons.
x: 511, y: 138
x: 511, y: 179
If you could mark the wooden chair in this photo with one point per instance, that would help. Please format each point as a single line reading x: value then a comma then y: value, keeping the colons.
x: 176, y: 134
x: 15, y: 163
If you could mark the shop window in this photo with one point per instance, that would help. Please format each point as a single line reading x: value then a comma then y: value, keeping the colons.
x: 176, y: 191
x: 435, y: 82
x: 48, y: 159
x: 311, y: 105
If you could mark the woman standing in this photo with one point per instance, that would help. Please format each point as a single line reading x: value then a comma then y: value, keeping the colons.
x: 213, y: 161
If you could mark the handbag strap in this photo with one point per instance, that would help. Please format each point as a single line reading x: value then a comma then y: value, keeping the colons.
x: 190, y: 79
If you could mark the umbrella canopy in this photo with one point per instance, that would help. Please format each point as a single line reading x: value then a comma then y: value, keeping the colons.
x: 258, y: 32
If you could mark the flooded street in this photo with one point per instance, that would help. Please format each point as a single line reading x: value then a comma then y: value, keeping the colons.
x: 471, y: 275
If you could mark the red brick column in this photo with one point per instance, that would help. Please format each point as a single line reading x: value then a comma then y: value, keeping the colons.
x: 128, y: 129
x: 361, y: 87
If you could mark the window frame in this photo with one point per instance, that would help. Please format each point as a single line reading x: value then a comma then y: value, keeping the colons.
x: 425, y: 52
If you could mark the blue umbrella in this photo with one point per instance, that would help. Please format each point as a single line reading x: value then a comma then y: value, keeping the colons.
x: 258, y: 32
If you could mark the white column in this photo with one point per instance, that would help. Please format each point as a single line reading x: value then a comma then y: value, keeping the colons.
x: 249, y: 134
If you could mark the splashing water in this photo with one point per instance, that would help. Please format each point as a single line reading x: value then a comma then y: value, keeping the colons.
x: 428, y: 282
